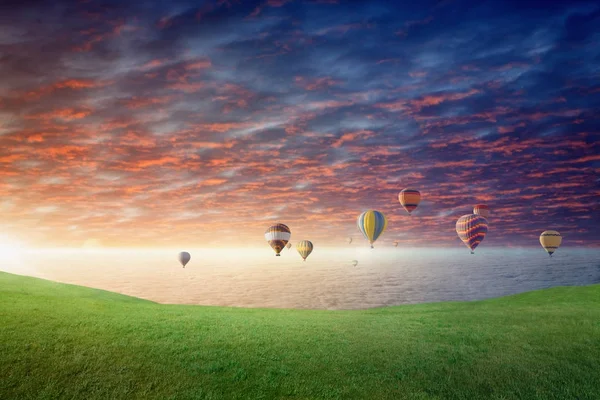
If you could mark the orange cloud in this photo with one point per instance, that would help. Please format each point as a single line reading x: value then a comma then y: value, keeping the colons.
x: 158, y: 162
x: 35, y: 138
x: 199, y: 64
x: 223, y: 127
x: 143, y: 102
x: 434, y: 99
x: 316, y: 84
x: 350, y: 136
x: 213, y: 182
x: 68, y: 114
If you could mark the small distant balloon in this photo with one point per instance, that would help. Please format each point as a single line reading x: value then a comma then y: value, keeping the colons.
x: 471, y: 229
x: 349, y: 240
x: 278, y: 236
x: 410, y: 199
x: 304, y: 247
x: 550, y: 241
x: 184, y: 258
x: 482, y: 209
x: 371, y: 223
x: 395, y: 244
x: 288, y: 246
x: 354, y: 263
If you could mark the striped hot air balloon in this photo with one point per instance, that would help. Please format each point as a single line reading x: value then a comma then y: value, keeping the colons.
x: 550, y: 241
x: 278, y: 235
x: 304, y: 247
x: 372, y: 224
x: 410, y: 199
x: 471, y: 230
x: 481, y: 209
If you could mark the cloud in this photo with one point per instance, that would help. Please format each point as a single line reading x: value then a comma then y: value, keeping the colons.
x: 304, y: 111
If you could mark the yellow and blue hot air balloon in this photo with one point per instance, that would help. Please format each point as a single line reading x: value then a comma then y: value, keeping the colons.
x: 304, y: 247
x: 372, y: 223
x: 550, y: 241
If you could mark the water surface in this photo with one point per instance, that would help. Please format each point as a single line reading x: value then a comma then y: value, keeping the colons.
x: 327, y: 280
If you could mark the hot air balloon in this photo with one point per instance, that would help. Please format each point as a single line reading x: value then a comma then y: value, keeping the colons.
x: 349, y: 240
x: 184, y: 258
x: 410, y: 199
x: 550, y: 241
x: 304, y: 247
x: 372, y: 224
x: 395, y: 244
x: 481, y: 209
x: 354, y: 263
x: 471, y: 230
x: 288, y: 246
x: 278, y: 235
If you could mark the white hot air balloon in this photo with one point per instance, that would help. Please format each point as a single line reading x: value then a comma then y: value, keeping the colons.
x: 184, y: 258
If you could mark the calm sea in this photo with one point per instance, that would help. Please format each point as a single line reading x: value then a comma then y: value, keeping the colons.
x: 327, y: 280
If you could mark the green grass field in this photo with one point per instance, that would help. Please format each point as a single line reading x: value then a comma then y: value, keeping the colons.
x: 64, y: 341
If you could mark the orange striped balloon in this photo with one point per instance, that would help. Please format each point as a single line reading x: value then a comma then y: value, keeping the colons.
x: 278, y: 236
x: 471, y: 229
x: 410, y: 199
x: 550, y: 241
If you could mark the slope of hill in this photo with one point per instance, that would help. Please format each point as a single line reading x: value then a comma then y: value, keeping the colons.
x: 65, y: 341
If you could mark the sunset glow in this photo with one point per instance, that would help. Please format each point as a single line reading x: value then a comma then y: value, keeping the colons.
x: 185, y: 124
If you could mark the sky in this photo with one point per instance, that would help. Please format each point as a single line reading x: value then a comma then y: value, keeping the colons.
x: 202, y: 123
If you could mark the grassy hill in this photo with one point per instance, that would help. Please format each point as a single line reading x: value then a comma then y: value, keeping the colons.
x: 65, y: 341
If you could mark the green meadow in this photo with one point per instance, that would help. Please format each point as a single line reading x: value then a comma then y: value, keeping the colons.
x: 65, y: 341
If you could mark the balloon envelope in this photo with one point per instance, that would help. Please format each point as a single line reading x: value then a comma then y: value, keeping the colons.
x: 410, y: 199
x: 287, y: 246
x: 471, y: 229
x: 304, y: 247
x: 371, y: 223
x: 278, y: 236
x: 395, y: 244
x: 184, y: 258
x: 550, y: 241
x: 354, y: 263
x: 481, y: 209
